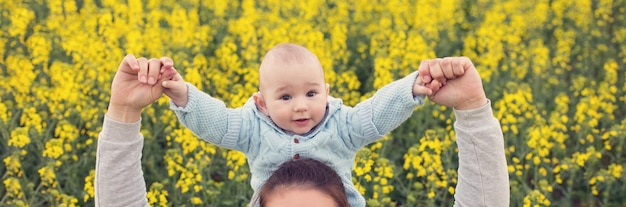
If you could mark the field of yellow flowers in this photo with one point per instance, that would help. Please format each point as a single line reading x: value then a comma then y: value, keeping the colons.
x: 555, y: 71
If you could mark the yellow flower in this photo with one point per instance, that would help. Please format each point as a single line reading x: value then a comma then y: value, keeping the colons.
x: 47, y: 175
x: 431, y: 194
x: 510, y: 168
x: 53, y: 148
x: 31, y: 119
x: 20, y: 18
x: 13, y: 165
x: 451, y: 190
x: 89, y: 185
x: 236, y: 159
x: 196, y: 200
x: 615, y: 170
x: 4, y: 113
x: 39, y: 47
x: 19, y: 137
x: 13, y: 188
x: 157, y: 196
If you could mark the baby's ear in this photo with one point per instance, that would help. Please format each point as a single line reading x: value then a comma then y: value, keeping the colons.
x: 260, y: 102
x: 327, y: 88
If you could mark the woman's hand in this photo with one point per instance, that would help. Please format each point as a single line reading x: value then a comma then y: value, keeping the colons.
x: 137, y: 84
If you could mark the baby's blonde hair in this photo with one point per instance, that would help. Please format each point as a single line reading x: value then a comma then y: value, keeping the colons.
x: 288, y: 53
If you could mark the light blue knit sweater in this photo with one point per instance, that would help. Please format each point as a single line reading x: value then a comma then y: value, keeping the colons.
x: 343, y: 131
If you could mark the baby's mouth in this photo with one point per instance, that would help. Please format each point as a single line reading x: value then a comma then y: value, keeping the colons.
x: 301, y: 121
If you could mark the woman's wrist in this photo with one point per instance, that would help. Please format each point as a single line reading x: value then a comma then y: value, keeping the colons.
x: 473, y: 103
x: 124, y: 114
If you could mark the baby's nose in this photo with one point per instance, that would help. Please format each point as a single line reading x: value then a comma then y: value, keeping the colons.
x: 300, y: 106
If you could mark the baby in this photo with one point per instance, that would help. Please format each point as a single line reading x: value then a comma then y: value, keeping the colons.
x: 292, y: 116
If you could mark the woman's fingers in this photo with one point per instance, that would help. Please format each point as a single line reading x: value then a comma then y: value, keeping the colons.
x: 143, y: 70
x: 154, y: 69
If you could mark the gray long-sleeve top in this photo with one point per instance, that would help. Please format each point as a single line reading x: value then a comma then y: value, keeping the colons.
x: 482, y: 175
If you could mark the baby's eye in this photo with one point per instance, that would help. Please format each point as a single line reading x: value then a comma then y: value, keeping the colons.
x: 311, y: 93
x: 285, y: 97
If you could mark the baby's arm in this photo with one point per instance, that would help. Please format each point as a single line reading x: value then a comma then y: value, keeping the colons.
x: 210, y: 119
x: 384, y: 111
x: 392, y: 104
x: 206, y: 116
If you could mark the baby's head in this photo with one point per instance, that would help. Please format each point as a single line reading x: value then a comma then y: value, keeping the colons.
x: 293, y: 92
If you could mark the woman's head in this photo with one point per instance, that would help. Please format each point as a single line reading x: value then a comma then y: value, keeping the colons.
x: 303, y: 182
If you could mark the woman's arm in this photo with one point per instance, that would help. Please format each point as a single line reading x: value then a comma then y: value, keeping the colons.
x: 119, y: 178
x: 483, y: 179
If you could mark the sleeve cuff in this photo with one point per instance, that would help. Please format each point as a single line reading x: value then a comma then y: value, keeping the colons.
x: 193, y: 94
x: 120, y: 132
x: 474, y: 117
x: 419, y: 99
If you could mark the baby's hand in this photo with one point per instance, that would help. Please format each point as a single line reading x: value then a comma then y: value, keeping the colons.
x: 422, y: 86
x: 173, y: 85
x: 435, y: 73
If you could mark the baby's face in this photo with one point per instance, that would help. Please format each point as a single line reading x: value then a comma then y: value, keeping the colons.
x: 294, y: 95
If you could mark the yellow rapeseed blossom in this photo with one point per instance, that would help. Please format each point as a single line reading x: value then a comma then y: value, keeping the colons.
x: 31, y: 119
x: 13, y: 165
x: 616, y: 170
x: 4, y: 113
x: 48, y: 176
x: 196, y: 201
x: 40, y: 48
x: 66, y: 132
x: 21, y: 76
x: 89, y: 186
x: 536, y: 198
x: 53, y: 148
x: 363, y: 163
x: 19, y: 137
x: 20, y: 19
x: 13, y: 188
x: 157, y: 196
x: 235, y: 160
x: 173, y: 162
x: 187, y: 140
x: 65, y: 200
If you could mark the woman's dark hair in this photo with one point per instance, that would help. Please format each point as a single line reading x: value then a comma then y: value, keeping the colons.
x: 305, y: 174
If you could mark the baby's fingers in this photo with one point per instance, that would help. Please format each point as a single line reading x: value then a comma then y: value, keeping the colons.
x: 424, y: 72
x: 166, y: 63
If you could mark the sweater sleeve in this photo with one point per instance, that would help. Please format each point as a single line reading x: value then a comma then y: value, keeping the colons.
x: 389, y: 107
x: 483, y: 179
x: 210, y: 119
x: 119, y: 179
